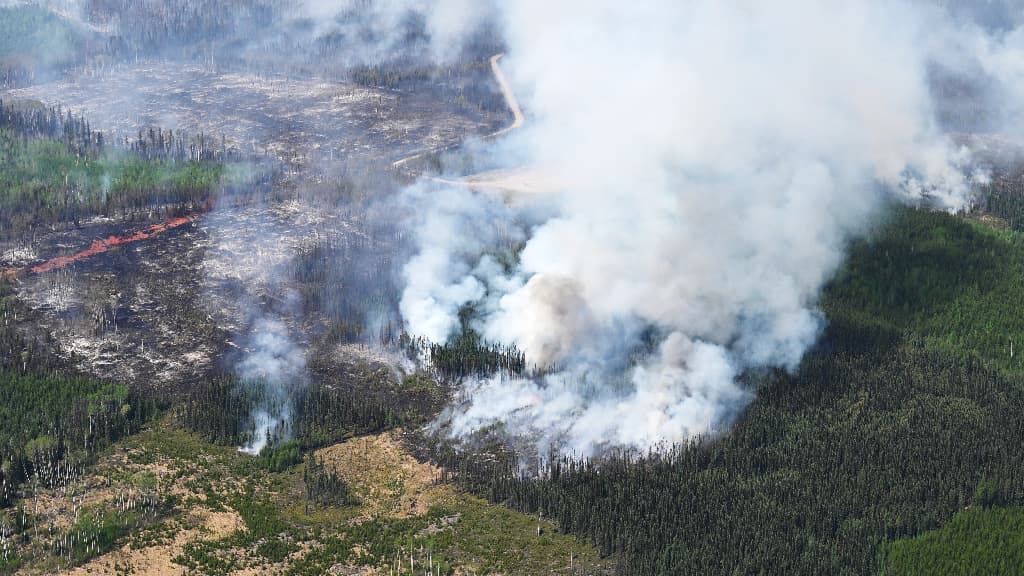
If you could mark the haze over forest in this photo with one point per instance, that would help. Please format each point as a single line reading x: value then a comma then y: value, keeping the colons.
x: 520, y: 287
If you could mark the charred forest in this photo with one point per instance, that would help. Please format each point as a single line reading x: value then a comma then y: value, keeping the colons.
x: 447, y: 288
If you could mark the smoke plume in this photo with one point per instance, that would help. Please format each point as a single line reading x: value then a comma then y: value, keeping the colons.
x: 711, y: 162
x: 277, y: 366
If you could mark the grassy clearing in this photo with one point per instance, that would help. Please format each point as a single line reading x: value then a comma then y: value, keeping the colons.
x: 44, y: 178
x: 224, y: 512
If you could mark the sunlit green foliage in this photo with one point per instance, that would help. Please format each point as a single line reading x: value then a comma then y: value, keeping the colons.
x: 281, y: 456
x: 979, y: 541
x: 44, y: 181
x: 954, y: 282
x: 907, y: 411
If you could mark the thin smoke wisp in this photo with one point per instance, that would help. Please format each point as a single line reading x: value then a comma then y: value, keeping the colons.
x: 275, y: 366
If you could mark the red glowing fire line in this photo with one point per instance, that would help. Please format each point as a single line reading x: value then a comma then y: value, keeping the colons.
x: 102, y: 245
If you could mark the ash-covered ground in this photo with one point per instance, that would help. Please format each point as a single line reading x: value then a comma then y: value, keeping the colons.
x: 162, y: 312
x: 132, y: 314
x: 288, y: 117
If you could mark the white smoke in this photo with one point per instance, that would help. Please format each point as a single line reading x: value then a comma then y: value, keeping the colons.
x: 276, y: 365
x: 720, y: 156
x: 440, y: 279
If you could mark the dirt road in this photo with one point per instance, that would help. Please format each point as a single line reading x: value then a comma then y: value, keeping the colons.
x: 509, y: 95
x: 510, y: 101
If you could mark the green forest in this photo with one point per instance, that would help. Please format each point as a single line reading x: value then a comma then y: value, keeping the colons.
x: 905, y: 415
x: 979, y: 540
x: 32, y: 35
x: 57, y: 170
x: 898, y: 434
x: 895, y: 447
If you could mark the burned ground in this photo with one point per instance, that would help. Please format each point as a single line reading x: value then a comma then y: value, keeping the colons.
x: 129, y: 314
x: 174, y: 314
x: 163, y: 311
x: 295, y: 119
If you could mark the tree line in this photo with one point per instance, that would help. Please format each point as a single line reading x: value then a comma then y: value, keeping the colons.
x: 884, y: 433
x: 58, y: 170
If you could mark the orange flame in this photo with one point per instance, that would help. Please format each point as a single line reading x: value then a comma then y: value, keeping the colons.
x: 100, y: 246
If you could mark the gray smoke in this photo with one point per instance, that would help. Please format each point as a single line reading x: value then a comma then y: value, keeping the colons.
x: 711, y: 161
x: 277, y: 366
x: 246, y: 274
x: 379, y: 29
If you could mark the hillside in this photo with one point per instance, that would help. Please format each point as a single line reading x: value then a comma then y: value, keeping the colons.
x: 441, y: 288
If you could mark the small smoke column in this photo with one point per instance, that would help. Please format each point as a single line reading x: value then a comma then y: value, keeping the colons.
x: 717, y: 159
x: 274, y: 367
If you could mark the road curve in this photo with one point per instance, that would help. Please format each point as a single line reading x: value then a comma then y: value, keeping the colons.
x: 510, y: 101
x: 509, y: 95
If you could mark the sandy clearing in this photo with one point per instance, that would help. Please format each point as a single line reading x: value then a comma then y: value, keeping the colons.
x: 388, y: 480
x: 512, y: 185
x: 199, y: 524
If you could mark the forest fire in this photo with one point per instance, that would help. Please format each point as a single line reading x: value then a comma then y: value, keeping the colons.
x: 102, y: 245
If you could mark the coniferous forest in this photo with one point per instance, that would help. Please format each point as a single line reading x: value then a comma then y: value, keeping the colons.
x: 222, y: 222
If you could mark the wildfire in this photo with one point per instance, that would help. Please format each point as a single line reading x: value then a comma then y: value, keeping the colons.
x: 102, y: 245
